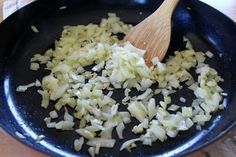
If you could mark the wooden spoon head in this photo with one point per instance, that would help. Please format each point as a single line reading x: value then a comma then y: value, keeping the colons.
x: 152, y: 36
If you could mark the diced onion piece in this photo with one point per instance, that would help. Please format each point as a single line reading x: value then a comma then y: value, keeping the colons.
x: 173, y: 107
x: 145, y: 94
x: 128, y: 143
x: 85, y: 133
x: 103, y: 142
x: 40, y: 138
x: 65, y: 125
x: 138, y: 128
x: 107, y: 133
x: 151, y: 108
x: 62, y: 7
x: 187, y: 111
x: 224, y: 94
x: 167, y: 100
x: 172, y: 133
x: 146, y: 83
x: 51, y: 125
x: 119, y: 129
x: 182, y: 99
x: 35, y: 29
x: 68, y: 117
x: 45, y: 99
x: 91, y: 151
x: 78, y: 143
x: 99, y: 66
x: 34, y: 66
x: 47, y: 120
x: 209, y: 54
x: 19, y: 135
x: 137, y: 110
x: 37, y: 83
x: 131, y: 48
x: 25, y: 87
x: 59, y: 92
x: 53, y: 114
x: 201, y: 118
x: 158, y: 131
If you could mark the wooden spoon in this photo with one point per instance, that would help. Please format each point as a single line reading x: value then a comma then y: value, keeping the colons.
x: 153, y: 33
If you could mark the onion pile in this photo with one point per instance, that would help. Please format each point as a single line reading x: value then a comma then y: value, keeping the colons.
x: 112, y: 65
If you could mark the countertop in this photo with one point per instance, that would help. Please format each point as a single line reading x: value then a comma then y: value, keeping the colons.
x: 225, y: 147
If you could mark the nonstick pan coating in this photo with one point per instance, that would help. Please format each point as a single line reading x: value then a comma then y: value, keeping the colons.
x: 207, y: 29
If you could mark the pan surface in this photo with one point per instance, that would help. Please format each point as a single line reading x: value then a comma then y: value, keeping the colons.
x: 204, y: 26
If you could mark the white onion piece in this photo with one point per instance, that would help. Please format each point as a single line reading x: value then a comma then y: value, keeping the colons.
x: 78, y: 143
x: 40, y: 138
x: 68, y: 117
x: 34, y: 29
x: 182, y: 99
x: 53, y: 114
x: 119, y: 129
x: 59, y: 92
x: 65, y: 125
x: 23, y: 88
x: 91, y: 151
x: 51, y: 125
x: 151, y: 108
x: 173, y: 107
x: 19, y: 135
x: 137, y: 110
x: 102, y: 142
x: 128, y: 143
x: 145, y: 94
x: 85, y: 133
x: 107, y: 133
x: 209, y: 54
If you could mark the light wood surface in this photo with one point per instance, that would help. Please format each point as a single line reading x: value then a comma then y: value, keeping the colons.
x: 225, y: 147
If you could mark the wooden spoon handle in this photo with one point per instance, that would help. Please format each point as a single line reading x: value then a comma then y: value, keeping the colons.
x: 167, y: 7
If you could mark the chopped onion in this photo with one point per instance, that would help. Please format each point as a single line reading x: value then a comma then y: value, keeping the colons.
x: 40, y: 138
x: 182, y: 99
x: 68, y: 117
x: 116, y: 65
x: 138, y: 128
x: 137, y: 110
x: 103, y: 142
x: 145, y: 94
x: 85, y: 133
x: 51, y: 125
x: 19, y: 135
x: 60, y: 91
x: 209, y: 54
x: 173, y: 107
x: 37, y: 83
x: 35, y: 29
x: 78, y: 143
x: 65, y: 125
x: 53, y: 114
x: 91, y: 151
x: 187, y: 111
x: 151, y: 108
x: 119, y: 129
x: 25, y: 87
x: 224, y: 94
x: 62, y: 7
x: 34, y: 66
x: 128, y: 143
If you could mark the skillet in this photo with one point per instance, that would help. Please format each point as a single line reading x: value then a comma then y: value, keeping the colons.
x: 206, y: 28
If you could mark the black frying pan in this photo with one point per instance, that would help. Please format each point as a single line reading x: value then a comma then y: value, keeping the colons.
x: 207, y: 28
